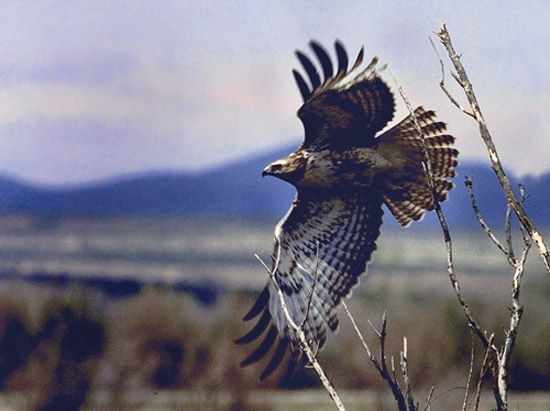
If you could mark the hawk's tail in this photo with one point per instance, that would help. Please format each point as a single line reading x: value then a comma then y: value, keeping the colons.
x: 407, y: 193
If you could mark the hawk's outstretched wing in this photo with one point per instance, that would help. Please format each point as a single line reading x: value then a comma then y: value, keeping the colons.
x: 347, y: 108
x: 331, y: 237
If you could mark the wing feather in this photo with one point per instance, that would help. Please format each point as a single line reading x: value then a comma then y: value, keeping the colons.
x: 310, y: 69
x: 276, y: 359
x: 262, y: 349
x: 258, y: 306
x: 334, y: 234
x: 342, y: 58
x: 302, y: 86
x: 260, y: 326
x: 324, y: 59
x: 346, y: 109
x: 358, y: 60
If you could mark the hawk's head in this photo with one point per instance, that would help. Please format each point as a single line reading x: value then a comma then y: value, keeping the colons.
x: 290, y: 168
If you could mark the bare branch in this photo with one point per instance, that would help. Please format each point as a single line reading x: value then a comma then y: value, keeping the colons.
x: 313, y: 283
x: 304, y: 346
x: 380, y: 365
x: 470, y: 374
x: 505, y: 251
x: 482, y: 372
x: 360, y: 335
x: 508, y: 232
x: 516, y: 205
x: 405, y: 373
x: 515, y: 318
x: 442, y: 83
x: 523, y: 197
x: 443, y: 223
x: 498, y: 360
x: 429, y: 399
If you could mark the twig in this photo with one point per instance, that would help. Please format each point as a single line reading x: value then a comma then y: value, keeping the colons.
x: 360, y: 335
x: 313, y: 283
x: 516, y: 205
x: 508, y: 231
x: 302, y: 341
x: 503, y: 358
x: 380, y: 365
x: 482, y: 372
x: 442, y: 83
x: 429, y: 399
x: 505, y: 250
x: 405, y: 373
x: 515, y: 318
x: 470, y: 374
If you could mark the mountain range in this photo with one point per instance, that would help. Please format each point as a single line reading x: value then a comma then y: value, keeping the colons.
x: 237, y: 190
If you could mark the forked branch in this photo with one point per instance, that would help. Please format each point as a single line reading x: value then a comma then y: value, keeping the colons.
x: 499, y: 366
x: 496, y: 164
x: 496, y: 360
x: 443, y: 223
x: 404, y: 401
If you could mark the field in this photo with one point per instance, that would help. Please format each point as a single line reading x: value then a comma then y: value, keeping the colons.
x: 164, y: 345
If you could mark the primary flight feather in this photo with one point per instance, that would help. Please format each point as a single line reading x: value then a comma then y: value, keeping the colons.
x: 343, y: 173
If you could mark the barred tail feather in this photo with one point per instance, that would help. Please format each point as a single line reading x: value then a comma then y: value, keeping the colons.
x: 407, y: 194
x: 421, y: 200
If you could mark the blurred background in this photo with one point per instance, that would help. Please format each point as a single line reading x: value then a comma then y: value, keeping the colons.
x: 132, y: 139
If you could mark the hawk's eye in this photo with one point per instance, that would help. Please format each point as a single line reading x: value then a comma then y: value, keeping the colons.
x: 276, y: 167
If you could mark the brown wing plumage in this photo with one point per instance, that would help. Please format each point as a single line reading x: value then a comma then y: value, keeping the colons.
x: 347, y: 108
x: 333, y: 236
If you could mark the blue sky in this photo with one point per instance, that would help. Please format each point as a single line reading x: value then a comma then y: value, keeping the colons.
x: 96, y: 89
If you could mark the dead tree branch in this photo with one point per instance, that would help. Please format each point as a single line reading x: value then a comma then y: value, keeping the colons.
x: 405, y: 374
x: 514, y: 202
x: 497, y: 360
x: 482, y: 372
x: 506, y: 250
x: 499, y: 365
x: 404, y: 401
x: 474, y: 325
x: 302, y: 341
x: 313, y: 283
x: 444, y: 88
x: 470, y: 375
x: 444, y: 226
x: 517, y: 309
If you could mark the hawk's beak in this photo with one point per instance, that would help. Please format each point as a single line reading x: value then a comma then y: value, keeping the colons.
x: 274, y: 169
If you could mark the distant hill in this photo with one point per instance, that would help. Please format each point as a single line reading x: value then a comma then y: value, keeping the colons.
x: 238, y: 190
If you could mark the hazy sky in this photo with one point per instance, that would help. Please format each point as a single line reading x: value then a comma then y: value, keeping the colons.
x: 94, y: 89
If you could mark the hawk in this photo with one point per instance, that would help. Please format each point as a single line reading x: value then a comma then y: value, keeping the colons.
x: 344, y: 171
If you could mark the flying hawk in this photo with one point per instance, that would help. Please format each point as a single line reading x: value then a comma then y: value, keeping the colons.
x: 343, y: 173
